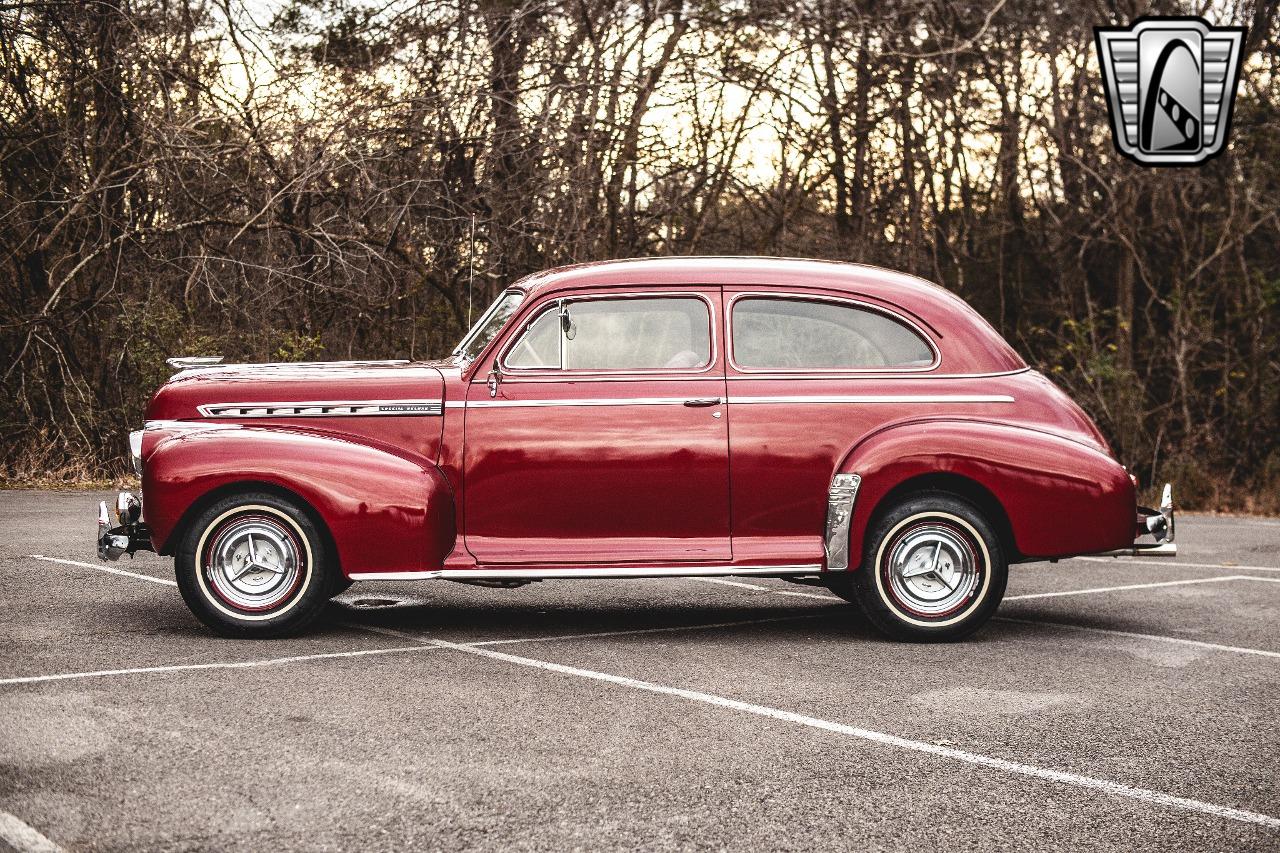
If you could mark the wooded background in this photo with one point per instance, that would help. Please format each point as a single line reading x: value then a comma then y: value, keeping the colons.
x: 342, y: 179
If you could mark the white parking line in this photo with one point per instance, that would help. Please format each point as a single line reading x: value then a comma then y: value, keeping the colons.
x: 1234, y: 520
x: 1135, y: 635
x: 601, y: 634
x: 105, y: 568
x: 1156, y: 637
x: 740, y: 584
x: 424, y: 643
x: 827, y: 597
x: 11, y: 828
x: 23, y: 838
x: 1177, y: 564
x: 188, y: 667
x: 1100, y: 589
x: 1091, y: 591
x: 595, y: 635
x: 1088, y: 782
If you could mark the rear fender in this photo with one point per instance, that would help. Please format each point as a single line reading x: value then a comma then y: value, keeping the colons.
x: 1060, y: 497
x: 386, y: 511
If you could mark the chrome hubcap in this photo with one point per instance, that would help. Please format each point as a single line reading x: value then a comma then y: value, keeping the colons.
x: 253, y: 563
x: 932, y: 569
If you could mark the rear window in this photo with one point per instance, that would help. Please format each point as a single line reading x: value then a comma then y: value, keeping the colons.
x: 803, y: 334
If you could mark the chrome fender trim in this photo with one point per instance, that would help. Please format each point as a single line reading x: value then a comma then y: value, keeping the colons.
x: 323, y: 409
x: 840, y: 498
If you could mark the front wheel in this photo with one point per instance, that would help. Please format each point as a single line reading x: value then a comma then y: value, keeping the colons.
x: 933, y: 569
x: 254, y: 565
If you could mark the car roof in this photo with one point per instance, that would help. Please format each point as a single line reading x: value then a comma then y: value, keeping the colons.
x: 727, y: 270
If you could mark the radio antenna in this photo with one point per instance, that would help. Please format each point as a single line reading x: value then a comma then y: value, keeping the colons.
x: 471, y: 275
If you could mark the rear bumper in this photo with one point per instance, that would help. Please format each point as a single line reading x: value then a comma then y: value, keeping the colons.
x: 1142, y: 549
x: 129, y: 535
x: 1158, y: 524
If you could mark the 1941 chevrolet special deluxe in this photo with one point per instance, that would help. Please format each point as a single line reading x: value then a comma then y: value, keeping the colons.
x: 825, y: 423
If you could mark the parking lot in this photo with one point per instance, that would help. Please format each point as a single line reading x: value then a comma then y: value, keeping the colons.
x: 1112, y: 704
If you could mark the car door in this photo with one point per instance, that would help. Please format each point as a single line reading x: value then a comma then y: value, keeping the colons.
x: 809, y: 376
x: 604, y: 439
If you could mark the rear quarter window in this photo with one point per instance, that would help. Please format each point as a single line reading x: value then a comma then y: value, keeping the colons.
x: 782, y: 333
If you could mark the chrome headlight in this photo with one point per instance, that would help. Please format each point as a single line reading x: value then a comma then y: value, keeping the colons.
x: 135, y: 450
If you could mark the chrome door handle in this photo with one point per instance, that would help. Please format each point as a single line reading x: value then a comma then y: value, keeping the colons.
x: 702, y: 403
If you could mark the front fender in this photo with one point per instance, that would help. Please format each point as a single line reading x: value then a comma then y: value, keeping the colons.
x: 1060, y: 497
x: 386, y: 511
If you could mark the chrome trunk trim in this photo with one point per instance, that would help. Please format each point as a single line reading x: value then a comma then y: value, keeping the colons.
x: 840, y: 498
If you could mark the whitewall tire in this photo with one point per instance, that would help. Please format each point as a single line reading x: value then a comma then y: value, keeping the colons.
x: 255, y: 565
x: 933, y: 569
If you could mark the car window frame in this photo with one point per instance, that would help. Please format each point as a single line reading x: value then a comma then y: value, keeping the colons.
x: 457, y: 354
x: 554, y: 303
x: 732, y: 299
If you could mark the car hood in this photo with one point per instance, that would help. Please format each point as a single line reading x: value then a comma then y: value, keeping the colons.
x: 236, y: 391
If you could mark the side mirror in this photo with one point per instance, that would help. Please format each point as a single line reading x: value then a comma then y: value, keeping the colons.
x: 495, y: 378
x: 566, y: 324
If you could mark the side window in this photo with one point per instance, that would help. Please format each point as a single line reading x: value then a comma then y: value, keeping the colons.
x: 539, y: 346
x: 788, y: 334
x: 640, y: 333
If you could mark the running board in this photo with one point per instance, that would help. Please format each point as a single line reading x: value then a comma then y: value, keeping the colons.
x: 587, y: 572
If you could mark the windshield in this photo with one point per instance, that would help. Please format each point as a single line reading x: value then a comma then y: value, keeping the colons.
x: 490, y: 322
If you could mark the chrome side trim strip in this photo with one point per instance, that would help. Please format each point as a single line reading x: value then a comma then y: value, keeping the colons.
x: 844, y: 490
x: 587, y: 572
x: 671, y: 401
x: 867, y: 374
x: 879, y: 398
x: 323, y: 409
x: 394, y: 576
x: 600, y: 401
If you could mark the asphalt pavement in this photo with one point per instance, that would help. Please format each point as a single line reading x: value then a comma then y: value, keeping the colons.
x: 1111, y: 705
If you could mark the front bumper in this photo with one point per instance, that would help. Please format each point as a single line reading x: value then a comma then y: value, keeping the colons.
x: 1155, y: 523
x: 129, y: 535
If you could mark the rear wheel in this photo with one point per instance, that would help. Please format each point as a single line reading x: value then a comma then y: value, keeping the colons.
x: 933, y: 569
x: 254, y: 565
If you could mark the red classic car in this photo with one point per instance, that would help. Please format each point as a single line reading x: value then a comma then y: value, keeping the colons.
x: 825, y: 423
